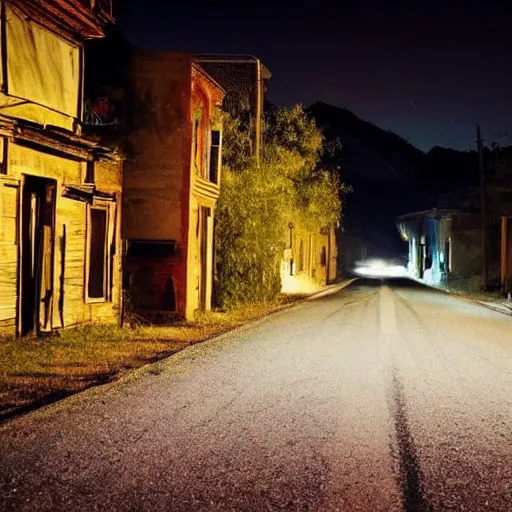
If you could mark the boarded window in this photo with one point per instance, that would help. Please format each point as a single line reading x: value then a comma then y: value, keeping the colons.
x: 41, y: 66
x: 215, y: 156
x: 98, y: 254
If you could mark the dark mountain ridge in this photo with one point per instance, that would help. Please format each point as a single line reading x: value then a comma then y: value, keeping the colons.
x: 389, y: 177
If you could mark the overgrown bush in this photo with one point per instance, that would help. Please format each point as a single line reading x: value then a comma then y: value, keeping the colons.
x: 257, y: 202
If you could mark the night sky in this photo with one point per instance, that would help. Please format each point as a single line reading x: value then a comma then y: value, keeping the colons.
x: 423, y: 70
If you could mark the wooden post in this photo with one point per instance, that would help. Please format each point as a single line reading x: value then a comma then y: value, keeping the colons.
x: 483, y: 207
x: 504, y: 269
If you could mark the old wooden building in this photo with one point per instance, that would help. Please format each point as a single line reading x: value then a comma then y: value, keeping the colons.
x: 172, y: 182
x: 59, y: 192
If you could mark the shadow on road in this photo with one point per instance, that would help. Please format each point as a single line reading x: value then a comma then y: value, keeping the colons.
x: 393, y: 282
x: 404, y: 282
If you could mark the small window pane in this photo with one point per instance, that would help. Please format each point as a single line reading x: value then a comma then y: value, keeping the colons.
x: 215, y: 156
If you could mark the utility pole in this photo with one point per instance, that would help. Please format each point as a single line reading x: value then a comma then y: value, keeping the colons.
x: 483, y: 207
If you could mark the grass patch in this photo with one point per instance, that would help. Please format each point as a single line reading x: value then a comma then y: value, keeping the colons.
x: 34, y: 372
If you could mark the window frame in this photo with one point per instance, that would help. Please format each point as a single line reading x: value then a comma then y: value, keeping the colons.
x: 218, y: 146
x: 109, y: 232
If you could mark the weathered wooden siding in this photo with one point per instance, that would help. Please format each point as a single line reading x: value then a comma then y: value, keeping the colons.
x: 9, y: 211
x: 109, y: 178
x: 166, y: 181
x: 70, y: 304
x: 23, y: 160
x: 73, y: 225
x: 42, y: 78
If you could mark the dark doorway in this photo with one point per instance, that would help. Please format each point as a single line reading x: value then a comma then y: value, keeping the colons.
x: 37, y: 241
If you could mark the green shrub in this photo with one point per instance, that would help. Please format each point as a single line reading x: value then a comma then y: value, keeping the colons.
x: 258, y: 201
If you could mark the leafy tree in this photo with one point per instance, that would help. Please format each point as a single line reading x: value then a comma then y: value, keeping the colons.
x: 236, y: 144
x: 258, y: 201
x: 292, y: 129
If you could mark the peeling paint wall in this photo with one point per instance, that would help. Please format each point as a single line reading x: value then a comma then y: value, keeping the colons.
x: 169, y: 198
x: 159, y: 145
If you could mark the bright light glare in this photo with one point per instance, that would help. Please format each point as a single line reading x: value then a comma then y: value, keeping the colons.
x: 376, y: 264
x: 379, y: 268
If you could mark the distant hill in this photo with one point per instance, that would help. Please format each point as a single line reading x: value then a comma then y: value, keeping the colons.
x: 450, y: 170
x: 387, y: 173
x: 391, y: 177
x: 369, y: 152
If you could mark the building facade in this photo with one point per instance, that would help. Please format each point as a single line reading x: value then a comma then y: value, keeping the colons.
x: 444, y: 247
x: 172, y: 182
x: 59, y: 192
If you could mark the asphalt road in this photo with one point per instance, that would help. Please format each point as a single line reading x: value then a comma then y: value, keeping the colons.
x: 376, y: 398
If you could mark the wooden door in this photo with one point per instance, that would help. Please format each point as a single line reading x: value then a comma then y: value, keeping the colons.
x: 37, y: 247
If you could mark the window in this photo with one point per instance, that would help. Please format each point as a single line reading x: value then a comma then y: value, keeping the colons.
x: 89, y: 173
x: 301, y: 256
x: 3, y: 156
x: 195, y: 144
x: 215, y: 156
x: 323, y: 257
x: 98, y: 254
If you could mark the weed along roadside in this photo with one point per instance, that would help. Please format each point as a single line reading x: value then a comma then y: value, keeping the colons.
x: 36, y: 372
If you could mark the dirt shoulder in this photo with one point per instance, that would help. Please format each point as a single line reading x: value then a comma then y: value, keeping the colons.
x: 35, y: 372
